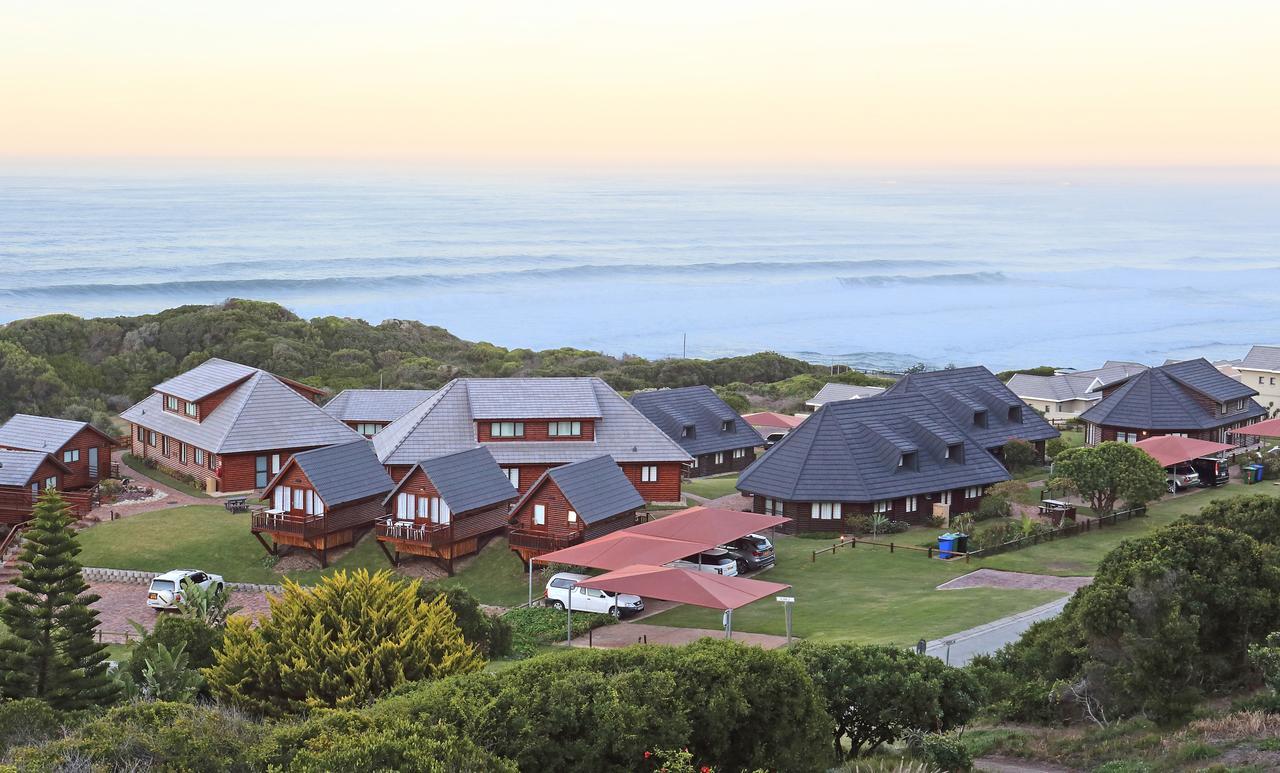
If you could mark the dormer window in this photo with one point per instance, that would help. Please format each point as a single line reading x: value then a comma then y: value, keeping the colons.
x: 1224, y: 409
x: 726, y: 425
x: 190, y: 409
x: 506, y: 429
x: 171, y: 403
x: 688, y: 431
x: 1015, y: 414
x: 564, y: 429
x: 908, y: 460
x: 955, y: 453
x: 980, y: 419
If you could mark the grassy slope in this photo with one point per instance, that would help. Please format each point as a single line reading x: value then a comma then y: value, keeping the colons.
x: 866, y: 594
x: 712, y: 488
x: 160, y: 476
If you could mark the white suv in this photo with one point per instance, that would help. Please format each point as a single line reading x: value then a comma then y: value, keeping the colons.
x: 589, y: 599
x: 715, y: 561
x: 166, y: 589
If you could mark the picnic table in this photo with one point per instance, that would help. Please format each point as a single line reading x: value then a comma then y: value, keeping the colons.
x: 237, y: 505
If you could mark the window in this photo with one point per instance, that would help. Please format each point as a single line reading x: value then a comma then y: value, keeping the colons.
x: 142, y: 436
x: 726, y: 425
x: 259, y: 472
x: 573, y: 516
x: 955, y: 453
x: 299, y: 499
x: 1223, y: 408
x: 164, y: 444
x: 980, y: 419
x: 688, y: 430
x: 908, y: 461
x: 564, y: 429
x: 1127, y: 437
x: 506, y: 429
x: 973, y: 492
x: 945, y: 498
x: 883, y: 506
x: 1015, y: 414
x: 199, y: 452
x: 151, y: 438
x: 171, y: 403
x: 739, y: 453
x: 433, y: 509
x: 719, y: 459
x: 405, y: 504
x: 51, y: 482
x: 772, y: 507
x: 190, y: 409
x: 71, y: 455
x: 368, y: 430
x: 182, y: 452
x: 513, y: 475
x: 213, y: 461
x: 539, y: 515
x: 911, y: 506
x: 825, y: 511
x: 649, y: 474
x: 275, y: 463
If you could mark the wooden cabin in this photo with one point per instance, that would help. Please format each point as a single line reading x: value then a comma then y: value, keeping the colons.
x: 322, y: 499
x: 84, y: 449
x: 719, y: 440
x: 574, y: 503
x: 23, y: 475
x: 444, y: 507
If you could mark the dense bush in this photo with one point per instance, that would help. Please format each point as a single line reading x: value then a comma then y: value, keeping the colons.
x: 29, y: 721
x: 531, y: 626
x: 1019, y: 455
x: 1257, y: 515
x: 489, y: 633
x: 1109, y: 473
x: 173, y: 631
x: 876, y: 695
x: 339, y: 644
x: 733, y: 706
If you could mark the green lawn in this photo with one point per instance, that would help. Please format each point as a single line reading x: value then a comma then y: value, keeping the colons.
x: 160, y: 476
x: 200, y: 537
x: 1080, y: 555
x: 866, y: 594
x: 496, y: 576
x: 712, y: 488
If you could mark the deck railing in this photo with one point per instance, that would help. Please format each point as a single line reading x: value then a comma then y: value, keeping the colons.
x: 287, y: 523
x: 538, y: 540
x: 432, y: 534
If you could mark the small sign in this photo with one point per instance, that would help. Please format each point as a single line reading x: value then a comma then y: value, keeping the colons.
x: 786, y: 599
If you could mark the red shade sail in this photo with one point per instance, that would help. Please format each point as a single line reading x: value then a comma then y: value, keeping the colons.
x: 771, y: 419
x: 1267, y: 428
x: 702, y: 589
x: 708, y: 525
x: 624, y: 548
x: 1172, y: 449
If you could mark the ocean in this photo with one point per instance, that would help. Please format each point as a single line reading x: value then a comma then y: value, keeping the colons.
x: 875, y: 270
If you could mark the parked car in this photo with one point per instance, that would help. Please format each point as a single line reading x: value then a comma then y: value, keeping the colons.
x: 166, y: 589
x: 1181, y: 476
x: 715, y: 561
x: 752, y: 552
x: 772, y: 439
x: 589, y: 599
x: 1212, y: 472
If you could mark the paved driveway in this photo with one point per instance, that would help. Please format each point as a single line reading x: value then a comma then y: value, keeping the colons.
x: 122, y: 602
x: 986, y: 639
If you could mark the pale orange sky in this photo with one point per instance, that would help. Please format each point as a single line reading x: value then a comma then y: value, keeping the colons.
x: 688, y: 82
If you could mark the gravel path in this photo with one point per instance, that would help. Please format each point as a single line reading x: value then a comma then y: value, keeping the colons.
x: 994, y: 578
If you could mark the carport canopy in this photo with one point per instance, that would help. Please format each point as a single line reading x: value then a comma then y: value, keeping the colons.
x: 1267, y: 428
x: 1173, y: 449
x: 624, y: 548
x: 702, y: 589
x: 710, y: 525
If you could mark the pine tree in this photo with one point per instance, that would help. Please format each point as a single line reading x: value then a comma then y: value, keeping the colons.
x: 50, y: 652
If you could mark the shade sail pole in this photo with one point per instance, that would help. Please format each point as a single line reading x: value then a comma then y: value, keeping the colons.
x: 728, y: 624
x: 568, y: 617
x: 530, y: 581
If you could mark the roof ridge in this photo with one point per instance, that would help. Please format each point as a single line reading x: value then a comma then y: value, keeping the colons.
x: 439, y: 395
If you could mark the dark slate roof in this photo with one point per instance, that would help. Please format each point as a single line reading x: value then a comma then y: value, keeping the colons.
x: 596, y: 488
x: 1262, y: 357
x: 347, y: 472
x: 375, y: 404
x: 837, y: 391
x: 1164, y: 398
x: 671, y: 410
x: 206, y: 378
x: 260, y: 414
x: 468, y: 480
x: 17, y: 467
x: 959, y: 393
x: 446, y: 422
x: 849, y: 452
x: 38, y: 433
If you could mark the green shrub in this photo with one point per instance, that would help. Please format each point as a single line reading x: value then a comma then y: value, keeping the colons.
x: 28, y: 721
x: 858, y: 524
x: 943, y: 751
x: 531, y: 626
x: 1019, y: 455
x: 895, y: 527
x: 490, y: 633
x: 195, y: 638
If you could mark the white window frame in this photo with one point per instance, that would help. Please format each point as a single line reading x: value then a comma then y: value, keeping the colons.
x: 190, y: 409
x: 299, y: 500
x: 539, y: 515
x: 772, y: 506
x: 275, y: 463
x: 882, y: 506
x: 513, y: 475
x: 944, y: 498
x: 182, y: 452
x: 912, y: 504
x: 573, y: 516
x: 406, y: 504
x: 972, y: 492
x: 719, y: 457
x: 825, y: 511
x: 506, y: 429
x: 739, y: 453
x: 199, y: 456
x: 649, y: 473
x: 564, y: 429
x: 51, y: 481
x: 71, y: 455
x: 281, y: 498
x: 171, y: 403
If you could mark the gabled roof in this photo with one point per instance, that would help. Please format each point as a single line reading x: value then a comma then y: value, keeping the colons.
x: 699, y: 407
x: 1055, y: 388
x: 18, y: 467
x: 596, y: 488
x: 959, y: 393
x: 532, y: 398
x: 380, y: 405
x: 41, y: 433
x: 1164, y: 398
x: 467, y: 480
x: 260, y: 414
x: 341, y: 473
x: 444, y: 423
x: 212, y: 375
x: 1261, y: 357
x: 849, y: 451
x: 837, y: 391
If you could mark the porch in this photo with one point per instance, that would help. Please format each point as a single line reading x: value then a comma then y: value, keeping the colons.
x: 436, y: 541
x: 293, y: 529
x: 531, y: 543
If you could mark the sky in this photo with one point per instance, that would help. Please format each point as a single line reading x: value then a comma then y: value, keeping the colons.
x: 686, y: 83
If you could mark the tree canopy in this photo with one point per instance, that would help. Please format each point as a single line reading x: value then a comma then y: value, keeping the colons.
x: 1109, y: 473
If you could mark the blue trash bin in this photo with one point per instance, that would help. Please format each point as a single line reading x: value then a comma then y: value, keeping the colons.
x: 947, y: 545
x: 1258, y: 469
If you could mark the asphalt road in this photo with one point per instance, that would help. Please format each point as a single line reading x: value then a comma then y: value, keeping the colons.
x: 990, y: 637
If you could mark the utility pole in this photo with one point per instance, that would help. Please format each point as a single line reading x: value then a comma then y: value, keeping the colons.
x: 684, y: 346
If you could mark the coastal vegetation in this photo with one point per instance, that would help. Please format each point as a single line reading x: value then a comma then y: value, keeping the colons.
x: 90, y: 369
